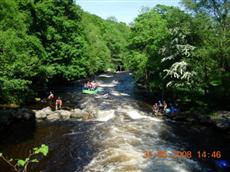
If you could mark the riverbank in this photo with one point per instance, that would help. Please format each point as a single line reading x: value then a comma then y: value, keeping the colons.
x: 219, y: 119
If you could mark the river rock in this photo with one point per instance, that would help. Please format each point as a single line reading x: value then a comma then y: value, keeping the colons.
x: 25, y: 113
x: 53, y: 117
x: 43, y: 113
x: 40, y: 115
x: 221, y: 119
x: 47, y: 110
x: 64, y: 114
x: 87, y: 117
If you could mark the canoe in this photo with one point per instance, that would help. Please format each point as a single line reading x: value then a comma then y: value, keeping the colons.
x: 87, y: 91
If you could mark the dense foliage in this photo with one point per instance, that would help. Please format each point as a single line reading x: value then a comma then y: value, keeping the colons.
x: 183, y: 53
x: 53, y: 41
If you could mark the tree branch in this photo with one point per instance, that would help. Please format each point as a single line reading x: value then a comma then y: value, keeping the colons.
x: 8, y: 162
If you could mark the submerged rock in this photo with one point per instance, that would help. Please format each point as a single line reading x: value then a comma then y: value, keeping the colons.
x: 26, y: 114
x: 7, y: 116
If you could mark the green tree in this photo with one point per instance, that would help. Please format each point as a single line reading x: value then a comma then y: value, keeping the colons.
x: 20, y: 54
x: 212, y: 28
x: 148, y: 34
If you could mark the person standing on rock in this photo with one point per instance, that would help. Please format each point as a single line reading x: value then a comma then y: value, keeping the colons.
x: 50, y: 99
x: 58, y: 103
x: 51, y: 96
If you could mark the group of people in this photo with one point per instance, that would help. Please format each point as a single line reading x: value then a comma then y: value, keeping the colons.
x: 163, y: 108
x: 160, y: 107
x: 91, y: 85
x: 58, y: 101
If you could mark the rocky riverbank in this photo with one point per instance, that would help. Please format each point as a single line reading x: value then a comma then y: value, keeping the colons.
x: 219, y: 119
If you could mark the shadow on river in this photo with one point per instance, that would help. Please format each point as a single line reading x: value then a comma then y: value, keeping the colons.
x: 118, y: 138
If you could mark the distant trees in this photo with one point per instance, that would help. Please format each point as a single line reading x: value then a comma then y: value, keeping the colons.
x: 107, y: 41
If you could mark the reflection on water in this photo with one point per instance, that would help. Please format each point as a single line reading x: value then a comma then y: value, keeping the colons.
x: 119, y: 142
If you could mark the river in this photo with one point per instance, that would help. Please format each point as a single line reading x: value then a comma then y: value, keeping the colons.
x: 117, y: 140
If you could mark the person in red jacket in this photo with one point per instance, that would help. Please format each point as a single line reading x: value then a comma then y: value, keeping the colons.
x: 58, y: 103
x: 50, y: 99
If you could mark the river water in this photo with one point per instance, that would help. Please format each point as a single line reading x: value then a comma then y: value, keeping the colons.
x: 118, y: 138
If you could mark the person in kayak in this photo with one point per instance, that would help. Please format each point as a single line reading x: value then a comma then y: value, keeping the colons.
x: 164, y: 106
x: 89, y: 85
x: 160, y: 106
x: 94, y: 85
x: 58, y: 103
x: 155, y: 108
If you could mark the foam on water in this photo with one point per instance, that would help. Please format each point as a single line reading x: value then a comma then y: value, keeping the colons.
x: 105, y: 115
x: 105, y: 76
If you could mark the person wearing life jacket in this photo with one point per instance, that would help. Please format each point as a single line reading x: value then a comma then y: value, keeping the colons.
x: 89, y: 85
x: 50, y: 99
x: 94, y: 85
x: 58, y: 103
